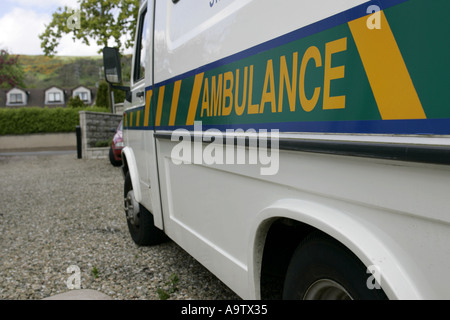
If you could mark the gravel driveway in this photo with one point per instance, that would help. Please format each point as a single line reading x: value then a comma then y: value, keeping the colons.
x: 58, y: 211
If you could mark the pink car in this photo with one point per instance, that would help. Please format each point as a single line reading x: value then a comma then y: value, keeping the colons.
x: 115, y: 152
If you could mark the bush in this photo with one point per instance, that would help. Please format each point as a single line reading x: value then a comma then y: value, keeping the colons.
x: 102, y: 95
x: 40, y: 120
x: 75, y: 103
x: 103, y: 143
x: 119, y: 96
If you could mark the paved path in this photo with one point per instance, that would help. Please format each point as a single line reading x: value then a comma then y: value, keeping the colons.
x: 36, y: 153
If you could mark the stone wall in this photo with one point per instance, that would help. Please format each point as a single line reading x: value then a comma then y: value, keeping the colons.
x: 96, y: 126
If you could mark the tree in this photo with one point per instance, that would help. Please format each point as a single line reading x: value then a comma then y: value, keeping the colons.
x: 102, y: 95
x: 11, y: 71
x: 100, y: 20
x: 75, y: 102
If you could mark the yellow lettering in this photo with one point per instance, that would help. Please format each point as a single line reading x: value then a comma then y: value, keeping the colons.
x: 227, y: 93
x: 216, y: 96
x: 309, y: 104
x: 205, y: 100
x: 252, y: 108
x: 290, y: 85
x: 269, y: 96
x: 337, y: 102
x: 239, y: 108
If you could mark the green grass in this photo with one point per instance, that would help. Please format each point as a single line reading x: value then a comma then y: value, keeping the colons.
x: 94, y: 272
x: 169, y: 289
x: 64, y: 71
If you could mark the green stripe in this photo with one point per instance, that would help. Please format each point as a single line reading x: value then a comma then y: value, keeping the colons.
x: 421, y: 30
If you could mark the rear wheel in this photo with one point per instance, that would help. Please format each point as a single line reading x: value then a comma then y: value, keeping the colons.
x: 139, y: 219
x: 323, y: 269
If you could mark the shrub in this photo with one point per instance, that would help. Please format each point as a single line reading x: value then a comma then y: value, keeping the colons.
x: 40, y: 120
x: 102, y: 95
x: 75, y: 102
x: 103, y: 143
x: 119, y: 96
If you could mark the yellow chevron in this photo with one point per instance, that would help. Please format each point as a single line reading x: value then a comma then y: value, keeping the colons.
x: 388, y: 76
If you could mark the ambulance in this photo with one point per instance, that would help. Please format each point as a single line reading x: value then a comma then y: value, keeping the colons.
x: 297, y: 149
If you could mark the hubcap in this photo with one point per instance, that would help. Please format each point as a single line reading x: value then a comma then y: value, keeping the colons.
x: 326, y: 289
x: 132, y: 209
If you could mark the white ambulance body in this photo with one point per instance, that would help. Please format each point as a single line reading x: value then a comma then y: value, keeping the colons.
x: 354, y: 202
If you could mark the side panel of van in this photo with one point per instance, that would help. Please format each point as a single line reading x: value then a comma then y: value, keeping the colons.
x: 314, y: 71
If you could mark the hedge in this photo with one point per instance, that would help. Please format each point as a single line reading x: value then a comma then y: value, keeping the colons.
x: 41, y: 120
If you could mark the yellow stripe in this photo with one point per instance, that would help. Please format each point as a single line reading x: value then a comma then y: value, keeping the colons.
x: 131, y: 119
x: 174, y: 107
x: 138, y: 118
x: 388, y: 76
x: 194, y: 99
x: 148, y: 100
x: 160, y: 106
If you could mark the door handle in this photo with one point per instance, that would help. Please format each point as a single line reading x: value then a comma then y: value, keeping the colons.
x: 140, y: 94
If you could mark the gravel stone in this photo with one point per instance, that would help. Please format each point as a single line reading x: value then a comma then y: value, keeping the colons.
x: 59, y: 211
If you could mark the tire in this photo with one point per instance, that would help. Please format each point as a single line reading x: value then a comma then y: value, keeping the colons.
x: 114, y: 162
x: 139, y: 220
x: 323, y: 269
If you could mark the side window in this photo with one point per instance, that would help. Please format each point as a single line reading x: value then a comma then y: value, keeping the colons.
x: 54, y: 97
x: 141, y: 49
x: 16, y: 98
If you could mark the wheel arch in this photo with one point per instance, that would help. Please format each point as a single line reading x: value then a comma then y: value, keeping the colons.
x: 129, y: 165
x: 356, y: 235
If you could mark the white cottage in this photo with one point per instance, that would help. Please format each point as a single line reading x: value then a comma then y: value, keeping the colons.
x: 16, y: 97
x: 84, y: 93
x: 54, y: 96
